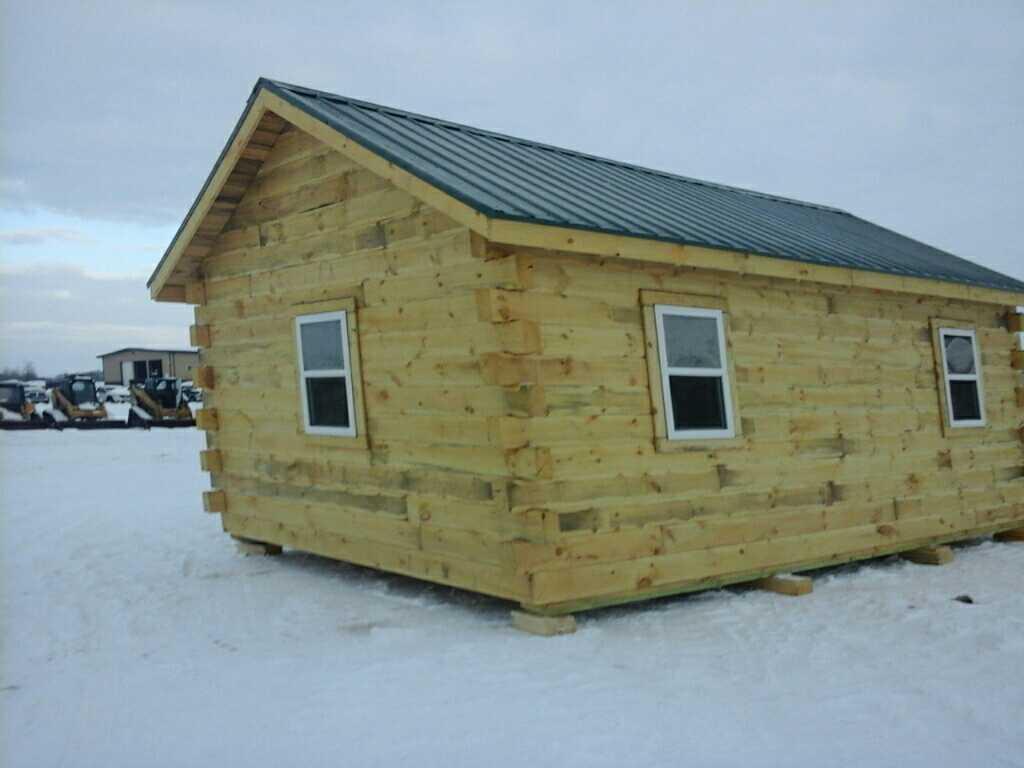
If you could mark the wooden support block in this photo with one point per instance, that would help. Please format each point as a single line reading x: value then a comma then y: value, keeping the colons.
x: 785, y: 584
x: 1014, y: 322
x: 1017, y: 360
x: 248, y: 547
x: 204, y: 377
x: 215, y: 502
x: 941, y: 555
x: 210, y: 461
x: 206, y: 419
x: 199, y: 335
x: 195, y: 292
x: 545, y: 626
x: 1015, y: 535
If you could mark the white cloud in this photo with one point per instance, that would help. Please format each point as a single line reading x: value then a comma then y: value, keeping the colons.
x: 61, y: 317
x: 42, y: 235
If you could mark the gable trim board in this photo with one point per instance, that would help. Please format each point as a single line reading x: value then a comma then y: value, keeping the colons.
x: 271, y: 103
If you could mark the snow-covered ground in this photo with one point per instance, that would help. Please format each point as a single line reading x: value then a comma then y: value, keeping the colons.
x: 134, y: 635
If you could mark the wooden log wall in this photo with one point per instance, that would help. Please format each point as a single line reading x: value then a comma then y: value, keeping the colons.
x: 424, y: 490
x: 842, y: 453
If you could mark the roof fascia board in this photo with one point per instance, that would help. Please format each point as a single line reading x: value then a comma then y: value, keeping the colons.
x: 524, y: 234
x: 247, y: 124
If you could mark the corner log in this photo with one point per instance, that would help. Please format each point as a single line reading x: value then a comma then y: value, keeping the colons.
x: 215, y: 502
x: 786, y: 584
x: 199, y: 335
x: 206, y: 419
x: 211, y: 461
x: 941, y: 555
x: 545, y: 626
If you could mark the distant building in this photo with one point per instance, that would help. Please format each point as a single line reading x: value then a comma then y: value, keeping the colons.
x: 123, y: 366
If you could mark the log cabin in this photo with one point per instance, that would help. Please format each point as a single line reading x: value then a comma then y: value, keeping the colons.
x: 570, y: 382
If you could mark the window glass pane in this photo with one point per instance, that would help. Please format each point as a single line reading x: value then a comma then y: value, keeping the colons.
x: 321, y: 345
x: 691, y: 342
x: 959, y: 354
x: 328, y: 402
x: 698, y: 402
x: 965, y: 400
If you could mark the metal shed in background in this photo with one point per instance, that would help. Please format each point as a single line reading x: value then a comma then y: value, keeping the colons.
x: 123, y: 366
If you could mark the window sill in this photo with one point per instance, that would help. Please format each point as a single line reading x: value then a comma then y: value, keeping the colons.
x: 699, y: 445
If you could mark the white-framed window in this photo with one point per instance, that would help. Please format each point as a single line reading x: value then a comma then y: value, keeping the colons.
x: 961, y: 370
x: 694, y: 373
x: 325, y: 374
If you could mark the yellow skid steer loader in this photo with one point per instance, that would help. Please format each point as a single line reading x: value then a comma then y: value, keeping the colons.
x: 16, y: 410
x: 74, y: 403
x: 159, y: 402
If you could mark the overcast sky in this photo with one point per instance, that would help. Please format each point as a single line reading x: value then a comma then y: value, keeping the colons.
x: 111, y: 115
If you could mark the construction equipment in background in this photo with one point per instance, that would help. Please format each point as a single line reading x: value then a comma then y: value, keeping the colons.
x: 160, y: 402
x: 16, y: 409
x: 74, y: 403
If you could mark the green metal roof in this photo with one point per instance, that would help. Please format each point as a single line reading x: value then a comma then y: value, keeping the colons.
x: 518, y: 180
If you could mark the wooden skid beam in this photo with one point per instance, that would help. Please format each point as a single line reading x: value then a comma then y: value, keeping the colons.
x: 941, y: 555
x: 784, y: 584
x: 248, y: 547
x: 545, y: 626
x: 1016, y: 536
x: 215, y: 502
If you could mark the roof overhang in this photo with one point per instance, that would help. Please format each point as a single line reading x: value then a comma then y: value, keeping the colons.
x: 270, y: 108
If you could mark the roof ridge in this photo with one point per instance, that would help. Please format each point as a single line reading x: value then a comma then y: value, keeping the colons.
x: 437, y: 121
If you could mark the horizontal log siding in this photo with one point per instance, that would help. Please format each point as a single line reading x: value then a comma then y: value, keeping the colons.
x: 842, y: 453
x: 426, y: 496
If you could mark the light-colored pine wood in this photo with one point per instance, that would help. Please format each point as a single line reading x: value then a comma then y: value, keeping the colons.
x: 544, y: 626
x: 508, y: 408
x: 215, y: 502
x: 204, y: 377
x: 207, y: 419
x: 784, y: 584
x: 199, y: 335
x: 941, y: 555
x: 211, y: 461
x: 195, y: 292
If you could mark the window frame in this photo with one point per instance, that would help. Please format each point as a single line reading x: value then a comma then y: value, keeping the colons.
x: 977, y: 377
x: 332, y: 373
x: 723, y: 372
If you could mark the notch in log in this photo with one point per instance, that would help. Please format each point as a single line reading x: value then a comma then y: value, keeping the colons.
x: 199, y: 335
x: 1014, y: 322
x: 211, y: 461
x: 204, y: 377
x: 195, y: 292
x: 206, y: 419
